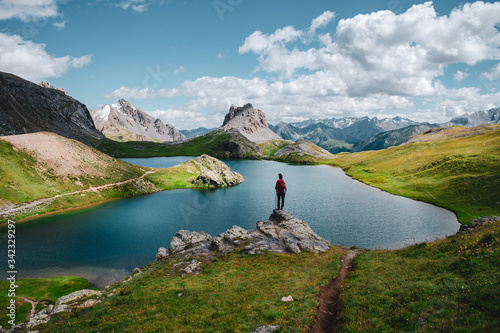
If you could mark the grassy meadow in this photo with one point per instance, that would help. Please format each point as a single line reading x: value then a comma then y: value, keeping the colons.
x: 461, y: 174
x: 234, y: 293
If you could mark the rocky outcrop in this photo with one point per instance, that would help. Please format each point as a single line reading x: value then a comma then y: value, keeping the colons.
x: 479, y: 222
x: 279, y: 234
x: 250, y: 122
x: 301, y: 148
x: 27, y: 107
x: 84, y: 298
x: 123, y: 121
x: 212, y: 172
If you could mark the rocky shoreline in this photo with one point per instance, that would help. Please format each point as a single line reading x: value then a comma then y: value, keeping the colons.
x: 281, y: 233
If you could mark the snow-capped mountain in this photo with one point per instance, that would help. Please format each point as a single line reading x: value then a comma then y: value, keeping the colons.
x: 491, y: 116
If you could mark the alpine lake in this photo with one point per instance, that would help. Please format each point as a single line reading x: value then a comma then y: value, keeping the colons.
x: 106, y: 242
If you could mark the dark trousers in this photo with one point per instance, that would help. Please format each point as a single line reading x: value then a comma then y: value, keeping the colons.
x: 281, y: 197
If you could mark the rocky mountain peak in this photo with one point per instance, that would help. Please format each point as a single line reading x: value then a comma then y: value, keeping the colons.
x: 45, y: 84
x: 123, y: 121
x: 250, y: 122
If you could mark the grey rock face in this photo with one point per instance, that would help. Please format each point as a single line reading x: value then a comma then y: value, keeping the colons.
x: 183, y: 238
x: 279, y: 234
x: 27, y: 107
x: 491, y: 116
x: 124, y: 120
x: 250, y: 122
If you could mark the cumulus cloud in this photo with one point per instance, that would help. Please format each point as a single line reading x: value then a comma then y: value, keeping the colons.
x: 369, y: 64
x: 30, y: 60
x: 494, y: 74
x: 28, y: 9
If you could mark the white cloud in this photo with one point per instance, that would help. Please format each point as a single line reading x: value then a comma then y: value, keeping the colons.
x: 179, y: 70
x: 459, y: 76
x: 321, y: 21
x: 30, y: 60
x: 182, y: 119
x: 26, y: 10
x: 494, y: 74
x: 59, y: 25
x: 371, y: 64
x: 138, y: 6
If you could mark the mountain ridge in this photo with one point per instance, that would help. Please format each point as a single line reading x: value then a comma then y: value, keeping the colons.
x: 27, y: 107
x: 123, y: 121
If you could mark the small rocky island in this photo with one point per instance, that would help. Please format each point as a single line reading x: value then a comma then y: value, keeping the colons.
x: 279, y: 234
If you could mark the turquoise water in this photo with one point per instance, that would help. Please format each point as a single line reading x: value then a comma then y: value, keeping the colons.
x: 106, y: 242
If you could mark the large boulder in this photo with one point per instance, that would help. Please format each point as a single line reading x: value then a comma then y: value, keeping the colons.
x: 212, y: 172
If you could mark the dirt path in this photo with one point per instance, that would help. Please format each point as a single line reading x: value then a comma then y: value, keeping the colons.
x: 10, y: 210
x: 328, y: 313
x: 33, y: 305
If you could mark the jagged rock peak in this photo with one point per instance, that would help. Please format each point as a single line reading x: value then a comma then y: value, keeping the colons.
x: 45, y: 84
x: 123, y: 121
x: 250, y: 122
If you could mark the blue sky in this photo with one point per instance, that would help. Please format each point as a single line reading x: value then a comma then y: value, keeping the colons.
x: 187, y: 61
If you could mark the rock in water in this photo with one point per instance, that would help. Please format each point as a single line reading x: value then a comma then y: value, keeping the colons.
x: 279, y: 234
x: 212, y: 172
x: 250, y: 122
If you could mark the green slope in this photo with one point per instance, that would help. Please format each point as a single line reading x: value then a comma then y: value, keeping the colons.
x: 459, y: 169
x: 75, y: 177
x: 218, y: 143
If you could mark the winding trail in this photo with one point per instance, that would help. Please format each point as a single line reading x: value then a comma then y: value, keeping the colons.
x: 12, y: 209
x: 328, y: 313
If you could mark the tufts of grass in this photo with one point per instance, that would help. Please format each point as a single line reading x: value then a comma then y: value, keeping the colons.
x: 451, y: 285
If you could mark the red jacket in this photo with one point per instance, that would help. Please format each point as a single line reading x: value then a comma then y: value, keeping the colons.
x: 280, y: 186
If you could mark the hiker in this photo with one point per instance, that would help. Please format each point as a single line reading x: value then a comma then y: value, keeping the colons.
x: 280, y: 191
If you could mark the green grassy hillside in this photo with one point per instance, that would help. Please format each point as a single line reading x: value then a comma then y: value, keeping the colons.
x: 218, y: 143
x: 455, y: 168
x: 27, y: 175
x: 35, y: 179
x: 451, y: 285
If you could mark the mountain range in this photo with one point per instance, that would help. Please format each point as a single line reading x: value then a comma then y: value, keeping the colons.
x: 358, y: 134
x: 27, y: 107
